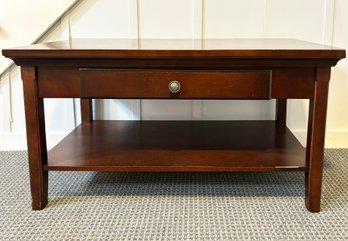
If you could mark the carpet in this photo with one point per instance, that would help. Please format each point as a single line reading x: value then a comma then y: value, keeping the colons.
x: 173, y: 206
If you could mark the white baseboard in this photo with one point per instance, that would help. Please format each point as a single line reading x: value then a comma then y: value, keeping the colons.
x: 336, y: 139
x: 18, y: 141
x: 333, y: 139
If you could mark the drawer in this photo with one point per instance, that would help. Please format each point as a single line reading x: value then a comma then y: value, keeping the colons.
x: 112, y: 83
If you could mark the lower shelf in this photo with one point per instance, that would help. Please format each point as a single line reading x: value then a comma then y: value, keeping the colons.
x: 178, y: 146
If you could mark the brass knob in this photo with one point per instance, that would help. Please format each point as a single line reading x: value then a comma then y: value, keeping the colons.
x: 174, y: 86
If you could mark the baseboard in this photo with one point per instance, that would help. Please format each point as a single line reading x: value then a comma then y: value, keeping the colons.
x: 18, y: 141
x: 333, y: 139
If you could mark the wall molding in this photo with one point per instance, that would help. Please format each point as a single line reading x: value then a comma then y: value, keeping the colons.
x: 134, y: 34
x: 197, y: 34
x: 333, y: 139
x: 47, y: 30
x: 18, y: 141
x: 197, y: 19
x: 329, y: 16
x: 199, y: 108
x: 5, y: 102
x: 133, y: 19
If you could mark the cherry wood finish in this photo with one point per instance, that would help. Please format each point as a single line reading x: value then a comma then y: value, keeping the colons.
x: 178, y: 146
x: 36, y: 138
x: 209, y: 69
x: 101, y: 83
x: 178, y: 48
x: 86, y: 110
x: 315, y: 139
x: 292, y: 83
x: 281, y: 111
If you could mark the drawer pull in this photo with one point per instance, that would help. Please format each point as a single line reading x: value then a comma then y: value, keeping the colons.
x: 174, y: 86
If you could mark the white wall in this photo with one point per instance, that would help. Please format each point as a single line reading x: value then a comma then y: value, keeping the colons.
x: 322, y: 21
x: 21, y: 22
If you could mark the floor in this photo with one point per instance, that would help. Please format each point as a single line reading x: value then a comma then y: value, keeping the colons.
x: 173, y: 206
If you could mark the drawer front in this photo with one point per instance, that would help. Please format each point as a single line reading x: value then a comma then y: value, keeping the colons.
x: 104, y: 83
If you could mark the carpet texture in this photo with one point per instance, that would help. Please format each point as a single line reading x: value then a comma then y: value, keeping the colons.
x: 173, y: 206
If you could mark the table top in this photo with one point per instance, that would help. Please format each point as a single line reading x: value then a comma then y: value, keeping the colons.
x: 184, y: 48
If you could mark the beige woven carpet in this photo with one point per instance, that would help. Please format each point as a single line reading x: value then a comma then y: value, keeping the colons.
x: 173, y: 206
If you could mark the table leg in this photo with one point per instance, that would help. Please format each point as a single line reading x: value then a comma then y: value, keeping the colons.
x: 281, y: 105
x: 36, y: 138
x: 316, y: 139
x: 86, y: 110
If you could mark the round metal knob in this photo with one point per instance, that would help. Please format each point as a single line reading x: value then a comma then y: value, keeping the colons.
x: 174, y: 86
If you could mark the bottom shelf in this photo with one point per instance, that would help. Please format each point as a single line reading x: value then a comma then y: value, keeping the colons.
x: 178, y: 146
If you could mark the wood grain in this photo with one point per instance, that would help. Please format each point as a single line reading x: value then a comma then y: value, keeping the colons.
x: 65, y: 82
x: 170, y: 48
x: 281, y: 111
x: 178, y: 146
x: 36, y: 138
x: 316, y: 139
x: 101, y: 83
x: 86, y: 110
x: 220, y: 69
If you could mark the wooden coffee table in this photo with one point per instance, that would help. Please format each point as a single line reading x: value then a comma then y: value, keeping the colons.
x: 177, y: 69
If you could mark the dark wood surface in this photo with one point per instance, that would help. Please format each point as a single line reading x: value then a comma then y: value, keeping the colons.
x: 178, y: 146
x: 296, y: 69
x: 86, y: 110
x: 281, y: 111
x: 36, y: 138
x: 66, y: 82
x: 101, y: 83
x: 149, y: 48
x: 316, y: 140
